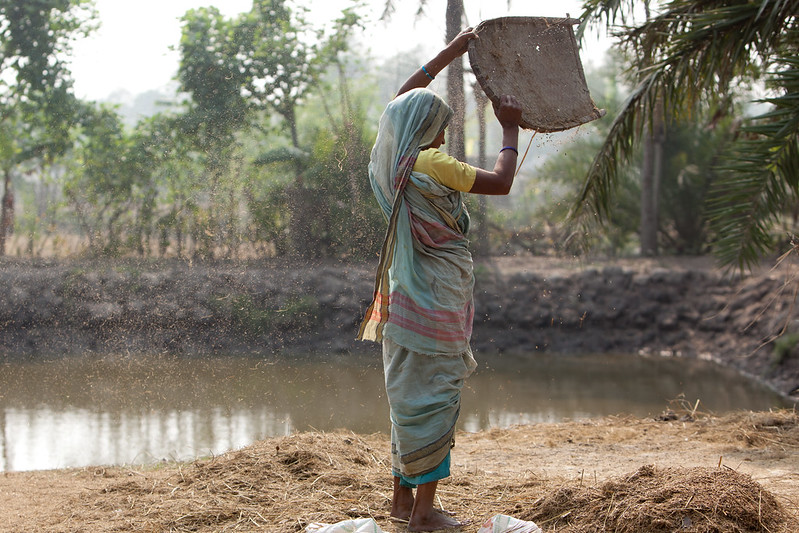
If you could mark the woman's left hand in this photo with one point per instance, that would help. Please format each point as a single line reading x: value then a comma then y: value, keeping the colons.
x: 461, y: 41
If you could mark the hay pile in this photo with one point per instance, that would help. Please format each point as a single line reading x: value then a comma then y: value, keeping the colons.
x: 662, y: 500
x: 284, y: 484
x: 779, y: 428
x: 264, y: 487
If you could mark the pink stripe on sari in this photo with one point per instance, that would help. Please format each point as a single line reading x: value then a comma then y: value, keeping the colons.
x: 426, y: 331
x: 433, y: 234
x: 439, y: 315
x: 439, y: 325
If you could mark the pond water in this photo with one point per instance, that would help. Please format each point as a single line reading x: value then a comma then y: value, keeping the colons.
x: 83, y: 411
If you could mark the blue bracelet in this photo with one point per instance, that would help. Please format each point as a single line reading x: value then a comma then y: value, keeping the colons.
x: 428, y: 74
x: 509, y: 148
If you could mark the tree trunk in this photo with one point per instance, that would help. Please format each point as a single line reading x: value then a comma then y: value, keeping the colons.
x: 7, y: 214
x: 481, y: 246
x: 650, y: 177
x: 455, y: 91
x: 651, y: 172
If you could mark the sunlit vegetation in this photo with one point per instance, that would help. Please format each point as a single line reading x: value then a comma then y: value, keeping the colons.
x: 690, y: 60
x: 264, y: 153
x: 264, y: 156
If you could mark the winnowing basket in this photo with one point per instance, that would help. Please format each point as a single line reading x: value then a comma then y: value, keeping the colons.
x: 535, y: 59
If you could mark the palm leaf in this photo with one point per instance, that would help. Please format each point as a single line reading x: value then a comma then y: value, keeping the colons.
x: 761, y: 176
x: 690, y: 53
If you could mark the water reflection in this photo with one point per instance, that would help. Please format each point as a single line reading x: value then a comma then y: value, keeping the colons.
x: 92, y: 411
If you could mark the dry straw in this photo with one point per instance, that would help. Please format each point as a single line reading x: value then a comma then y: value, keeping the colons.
x: 283, y: 484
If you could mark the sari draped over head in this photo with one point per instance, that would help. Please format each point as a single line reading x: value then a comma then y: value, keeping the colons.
x: 424, y: 282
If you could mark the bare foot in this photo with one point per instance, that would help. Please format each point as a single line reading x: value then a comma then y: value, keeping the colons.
x: 433, y: 521
x: 402, y: 503
x: 401, y: 512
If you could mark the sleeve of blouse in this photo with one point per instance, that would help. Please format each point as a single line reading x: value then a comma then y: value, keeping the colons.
x: 446, y: 170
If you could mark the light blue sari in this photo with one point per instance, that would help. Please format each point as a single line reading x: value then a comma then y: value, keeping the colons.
x: 424, y: 282
x: 422, y: 309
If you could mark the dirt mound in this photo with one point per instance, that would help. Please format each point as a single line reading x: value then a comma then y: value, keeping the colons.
x: 701, y: 500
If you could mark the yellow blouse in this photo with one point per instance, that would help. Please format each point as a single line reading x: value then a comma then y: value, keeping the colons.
x: 445, y: 169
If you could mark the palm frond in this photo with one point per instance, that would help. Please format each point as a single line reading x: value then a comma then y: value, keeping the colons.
x: 618, y: 148
x: 690, y: 53
x: 605, y: 12
x: 711, y: 42
x: 761, y: 176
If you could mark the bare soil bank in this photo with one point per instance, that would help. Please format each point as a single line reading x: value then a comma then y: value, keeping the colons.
x: 677, y: 306
x: 735, y: 474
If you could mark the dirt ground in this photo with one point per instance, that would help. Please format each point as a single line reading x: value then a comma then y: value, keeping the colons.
x: 736, y: 473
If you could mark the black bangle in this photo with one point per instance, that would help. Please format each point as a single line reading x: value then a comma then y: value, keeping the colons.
x: 428, y: 74
x: 509, y: 148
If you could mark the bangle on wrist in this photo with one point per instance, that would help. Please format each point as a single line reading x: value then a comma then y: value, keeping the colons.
x: 424, y: 69
x: 509, y: 148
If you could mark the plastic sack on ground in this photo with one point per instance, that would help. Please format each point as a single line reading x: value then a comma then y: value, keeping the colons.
x: 507, y: 524
x: 359, y: 525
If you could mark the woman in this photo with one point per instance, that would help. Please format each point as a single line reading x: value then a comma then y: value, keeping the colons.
x: 422, y: 310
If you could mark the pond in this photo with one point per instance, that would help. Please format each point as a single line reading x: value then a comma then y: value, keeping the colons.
x: 86, y: 410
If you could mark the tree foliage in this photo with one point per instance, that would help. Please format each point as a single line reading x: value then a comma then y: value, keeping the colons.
x: 247, y: 77
x: 690, y: 54
x: 211, y: 71
x: 761, y: 175
x: 282, y: 62
x: 35, y: 34
x: 100, y: 184
x: 545, y: 200
x: 219, y: 174
x: 37, y: 107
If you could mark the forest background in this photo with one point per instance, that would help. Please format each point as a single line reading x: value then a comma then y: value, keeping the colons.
x: 262, y: 148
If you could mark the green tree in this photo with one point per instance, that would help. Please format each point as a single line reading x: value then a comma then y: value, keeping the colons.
x: 689, y: 176
x: 691, y: 53
x: 341, y: 217
x: 285, y: 60
x: 340, y: 157
x: 282, y: 59
x: 688, y: 172
x: 100, y: 186
x: 212, y: 71
x: 543, y: 203
x: 172, y: 183
x: 36, y: 100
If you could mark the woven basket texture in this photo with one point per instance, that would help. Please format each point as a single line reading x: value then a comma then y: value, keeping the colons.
x: 535, y: 59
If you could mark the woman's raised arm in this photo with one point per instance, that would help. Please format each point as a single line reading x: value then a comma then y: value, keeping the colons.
x: 500, y: 180
x: 428, y: 72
